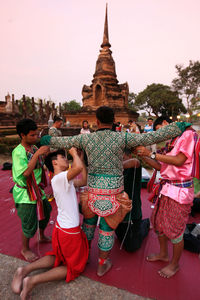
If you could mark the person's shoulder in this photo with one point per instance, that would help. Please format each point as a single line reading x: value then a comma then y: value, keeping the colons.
x: 19, y: 150
x: 60, y: 175
x: 188, y: 133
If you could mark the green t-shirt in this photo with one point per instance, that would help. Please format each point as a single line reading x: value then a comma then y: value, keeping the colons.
x: 20, y: 164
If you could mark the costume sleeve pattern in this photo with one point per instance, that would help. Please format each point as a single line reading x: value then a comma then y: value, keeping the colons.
x: 67, y: 142
x: 54, y: 132
x: 145, y: 139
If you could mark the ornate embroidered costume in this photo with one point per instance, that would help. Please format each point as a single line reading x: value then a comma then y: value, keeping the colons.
x: 104, y: 149
x: 53, y: 131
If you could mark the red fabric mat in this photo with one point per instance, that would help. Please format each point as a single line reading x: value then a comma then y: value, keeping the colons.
x: 130, y: 271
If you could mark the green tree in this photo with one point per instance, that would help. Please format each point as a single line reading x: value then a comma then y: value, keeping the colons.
x: 187, y: 84
x: 159, y: 99
x: 71, y: 106
x: 195, y: 103
x: 131, y: 101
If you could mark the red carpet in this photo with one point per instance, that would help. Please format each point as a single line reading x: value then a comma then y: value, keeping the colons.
x: 130, y: 271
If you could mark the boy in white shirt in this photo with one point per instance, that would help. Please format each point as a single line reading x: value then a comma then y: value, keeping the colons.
x: 69, y: 242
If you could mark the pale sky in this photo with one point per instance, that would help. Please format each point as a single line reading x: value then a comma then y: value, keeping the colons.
x: 49, y: 48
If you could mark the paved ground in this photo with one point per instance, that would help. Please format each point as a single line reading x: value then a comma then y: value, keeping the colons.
x: 82, y: 288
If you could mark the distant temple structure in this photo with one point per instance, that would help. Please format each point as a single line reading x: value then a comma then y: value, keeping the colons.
x: 10, y: 112
x: 104, y: 90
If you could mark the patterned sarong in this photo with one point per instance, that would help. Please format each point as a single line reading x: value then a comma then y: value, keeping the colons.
x: 33, y: 189
x: 70, y: 247
x: 169, y: 217
x: 28, y: 215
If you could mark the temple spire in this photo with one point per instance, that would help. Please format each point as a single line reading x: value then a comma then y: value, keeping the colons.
x: 105, y: 34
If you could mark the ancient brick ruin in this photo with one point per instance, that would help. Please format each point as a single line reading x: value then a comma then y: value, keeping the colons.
x: 105, y: 89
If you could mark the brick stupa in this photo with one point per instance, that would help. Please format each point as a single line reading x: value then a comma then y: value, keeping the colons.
x: 105, y: 89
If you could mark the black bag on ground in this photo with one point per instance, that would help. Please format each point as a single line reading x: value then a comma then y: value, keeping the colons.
x: 196, y: 206
x: 192, y: 238
x: 7, y: 166
x: 137, y: 231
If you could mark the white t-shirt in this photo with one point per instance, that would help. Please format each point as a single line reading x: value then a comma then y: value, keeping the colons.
x: 66, y: 200
x: 84, y: 131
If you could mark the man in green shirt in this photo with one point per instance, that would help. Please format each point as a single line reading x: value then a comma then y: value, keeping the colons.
x: 28, y: 175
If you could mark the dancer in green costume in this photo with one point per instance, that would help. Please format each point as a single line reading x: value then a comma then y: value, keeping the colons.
x: 104, y: 149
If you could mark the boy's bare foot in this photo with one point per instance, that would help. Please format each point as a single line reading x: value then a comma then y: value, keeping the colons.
x: 27, y: 288
x: 45, y: 239
x: 16, y: 284
x: 29, y: 255
x: 156, y: 257
x: 103, y: 269
x: 168, y: 271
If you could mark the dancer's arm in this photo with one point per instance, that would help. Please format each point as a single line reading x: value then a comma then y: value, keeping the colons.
x: 66, y: 142
x: 162, y: 134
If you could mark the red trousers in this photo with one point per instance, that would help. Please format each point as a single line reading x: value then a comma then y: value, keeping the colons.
x: 70, y: 247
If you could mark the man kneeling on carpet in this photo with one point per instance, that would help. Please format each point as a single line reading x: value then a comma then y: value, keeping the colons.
x: 69, y: 242
x: 174, y: 194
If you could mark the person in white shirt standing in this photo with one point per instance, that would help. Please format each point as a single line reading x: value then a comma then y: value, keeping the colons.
x: 149, y: 128
x: 85, y: 127
x: 70, y: 246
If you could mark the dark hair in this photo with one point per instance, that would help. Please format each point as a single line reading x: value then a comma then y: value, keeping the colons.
x: 105, y: 114
x: 84, y: 121
x: 130, y: 121
x: 25, y: 126
x: 127, y: 151
x: 53, y: 156
x: 149, y: 119
x: 114, y: 125
x: 159, y: 121
x: 57, y: 118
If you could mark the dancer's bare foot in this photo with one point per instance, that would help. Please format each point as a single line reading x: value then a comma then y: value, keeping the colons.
x: 45, y: 239
x: 16, y: 284
x: 168, y: 271
x: 103, y: 269
x: 29, y: 255
x: 156, y: 257
x: 27, y: 288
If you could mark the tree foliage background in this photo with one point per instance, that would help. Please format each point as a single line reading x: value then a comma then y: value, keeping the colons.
x: 187, y: 84
x: 71, y: 106
x: 159, y: 99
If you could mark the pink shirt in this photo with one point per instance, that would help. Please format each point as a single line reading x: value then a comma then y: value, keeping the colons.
x: 186, y: 145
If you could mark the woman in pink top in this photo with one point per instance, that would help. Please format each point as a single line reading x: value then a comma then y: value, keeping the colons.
x: 175, y: 196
